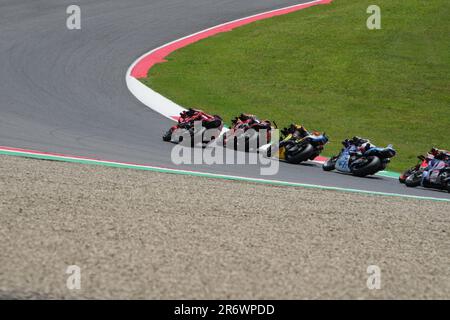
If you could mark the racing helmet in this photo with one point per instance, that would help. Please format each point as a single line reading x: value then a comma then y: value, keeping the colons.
x: 191, y: 112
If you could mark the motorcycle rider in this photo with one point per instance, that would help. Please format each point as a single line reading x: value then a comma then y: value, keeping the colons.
x: 440, y: 154
x: 189, y: 117
x: 440, y: 160
x: 245, y: 120
x: 294, y: 132
x: 357, y: 146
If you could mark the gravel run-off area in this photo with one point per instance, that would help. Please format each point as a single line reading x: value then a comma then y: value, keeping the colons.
x: 139, y: 234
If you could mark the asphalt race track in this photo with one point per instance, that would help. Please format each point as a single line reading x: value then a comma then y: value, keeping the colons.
x: 64, y: 91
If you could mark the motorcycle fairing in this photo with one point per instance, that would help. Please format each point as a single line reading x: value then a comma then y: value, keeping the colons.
x: 342, y: 163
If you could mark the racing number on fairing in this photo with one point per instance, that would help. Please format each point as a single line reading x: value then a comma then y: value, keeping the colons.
x: 342, y: 162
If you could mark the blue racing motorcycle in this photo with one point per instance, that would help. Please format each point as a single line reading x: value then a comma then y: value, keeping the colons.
x: 371, y: 161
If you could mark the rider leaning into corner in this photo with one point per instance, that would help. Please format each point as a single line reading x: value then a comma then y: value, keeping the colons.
x: 439, y: 156
x: 245, y: 118
x: 357, y: 146
x: 188, y: 118
x: 246, y: 121
x: 294, y: 132
x: 192, y: 115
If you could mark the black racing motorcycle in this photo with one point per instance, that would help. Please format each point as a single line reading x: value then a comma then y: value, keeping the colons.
x: 303, y: 149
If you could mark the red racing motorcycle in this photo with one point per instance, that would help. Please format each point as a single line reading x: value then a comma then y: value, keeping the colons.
x: 185, y: 128
x: 246, y: 133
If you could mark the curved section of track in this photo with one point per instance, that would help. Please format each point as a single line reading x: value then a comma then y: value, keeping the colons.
x: 64, y: 91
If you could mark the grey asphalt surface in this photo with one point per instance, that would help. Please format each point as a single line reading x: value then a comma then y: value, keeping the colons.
x: 64, y: 91
x: 284, y: 243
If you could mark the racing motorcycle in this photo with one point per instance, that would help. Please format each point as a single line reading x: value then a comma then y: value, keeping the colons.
x: 186, y: 129
x: 369, y: 162
x: 424, y: 161
x: 245, y: 133
x: 436, y: 176
x: 297, y: 150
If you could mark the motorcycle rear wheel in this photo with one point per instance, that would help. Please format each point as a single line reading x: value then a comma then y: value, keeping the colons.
x: 413, y: 180
x: 301, y: 155
x: 372, y: 167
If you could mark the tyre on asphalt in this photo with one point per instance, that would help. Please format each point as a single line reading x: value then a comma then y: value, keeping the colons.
x: 406, y: 174
x: 330, y: 165
x: 300, y: 154
x: 372, y: 167
x: 167, y: 136
x: 413, y: 180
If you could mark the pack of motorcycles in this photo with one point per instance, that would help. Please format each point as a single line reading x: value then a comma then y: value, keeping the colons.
x: 358, y: 156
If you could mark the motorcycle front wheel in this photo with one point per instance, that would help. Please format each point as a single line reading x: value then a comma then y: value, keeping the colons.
x: 406, y: 174
x: 300, y: 154
x: 330, y: 165
x: 414, y: 180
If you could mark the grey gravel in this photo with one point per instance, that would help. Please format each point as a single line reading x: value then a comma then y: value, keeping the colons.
x: 146, y: 235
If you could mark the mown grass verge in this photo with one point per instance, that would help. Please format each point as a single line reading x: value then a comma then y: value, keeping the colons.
x: 322, y: 67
